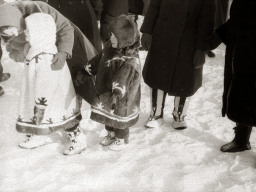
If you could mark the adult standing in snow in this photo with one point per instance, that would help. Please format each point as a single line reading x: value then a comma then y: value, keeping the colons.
x: 84, y: 14
x: 174, y: 32
x: 111, y: 9
x: 12, y: 31
x: 239, y: 96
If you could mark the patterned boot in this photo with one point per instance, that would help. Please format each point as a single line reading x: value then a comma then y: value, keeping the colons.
x: 157, y: 109
x: 179, y: 113
x: 77, y: 141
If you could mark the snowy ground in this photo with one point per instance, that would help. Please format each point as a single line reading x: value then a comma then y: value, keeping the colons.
x: 157, y: 160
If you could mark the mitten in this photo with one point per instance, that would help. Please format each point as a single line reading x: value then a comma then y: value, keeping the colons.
x: 199, y: 59
x: 146, y: 41
x: 58, y: 60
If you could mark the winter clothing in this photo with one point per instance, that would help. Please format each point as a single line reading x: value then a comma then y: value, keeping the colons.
x: 84, y: 14
x: 178, y: 29
x: 125, y: 31
x: 179, y: 113
x: 67, y: 36
x: 241, y: 141
x: 221, y: 12
x: 239, y: 36
x: 119, y: 133
x: 109, y: 138
x: 118, y: 85
x: 77, y: 141
x: 138, y: 7
x: 111, y: 9
x: 48, y: 99
x: 157, y: 110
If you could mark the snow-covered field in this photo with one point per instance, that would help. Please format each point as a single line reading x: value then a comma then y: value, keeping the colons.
x: 156, y: 160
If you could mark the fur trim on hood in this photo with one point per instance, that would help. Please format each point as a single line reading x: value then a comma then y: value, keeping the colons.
x: 125, y: 30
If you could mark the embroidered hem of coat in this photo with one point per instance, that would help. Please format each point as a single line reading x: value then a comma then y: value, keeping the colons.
x: 113, y: 120
x: 46, y: 129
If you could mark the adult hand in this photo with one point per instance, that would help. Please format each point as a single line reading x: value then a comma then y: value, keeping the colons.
x: 199, y: 59
x: 146, y: 41
x: 58, y: 60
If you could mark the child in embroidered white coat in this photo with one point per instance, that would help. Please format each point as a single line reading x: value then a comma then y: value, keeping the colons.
x: 48, y: 99
x: 117, y: 82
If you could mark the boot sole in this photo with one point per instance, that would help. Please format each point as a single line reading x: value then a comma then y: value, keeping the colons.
x: 234, y: 151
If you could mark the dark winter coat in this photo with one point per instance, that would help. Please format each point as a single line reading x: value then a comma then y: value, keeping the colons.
x: 178, y: 28
x: 83, y: 15
x: 138, y: 7
x: 118, y: 85
x: 239, y: 35
x: 111, y: 9
x: 221, y: 12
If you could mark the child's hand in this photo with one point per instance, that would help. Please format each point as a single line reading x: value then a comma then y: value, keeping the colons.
x: 59, y: 60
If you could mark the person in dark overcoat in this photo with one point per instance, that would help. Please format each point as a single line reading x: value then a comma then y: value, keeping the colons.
x: 84, y: 14
x: 239, y: 96
x: 111, y: 9
x: 174, y: 31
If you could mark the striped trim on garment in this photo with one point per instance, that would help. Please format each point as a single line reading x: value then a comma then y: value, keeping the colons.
x: 45, y: 129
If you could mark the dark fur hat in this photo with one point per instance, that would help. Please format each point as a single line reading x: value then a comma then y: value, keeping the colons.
x: 125, y: 30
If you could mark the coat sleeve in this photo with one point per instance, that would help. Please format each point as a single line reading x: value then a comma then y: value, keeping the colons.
x: 124, y: 75
x: 97, y: 7
x: 206, y: 23
x: 151, y: 17
x: 65, y: 32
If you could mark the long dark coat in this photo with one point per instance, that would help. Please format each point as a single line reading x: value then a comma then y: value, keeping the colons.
x: 83, y: 15
x: 178, y: 28
x: 239, y: 35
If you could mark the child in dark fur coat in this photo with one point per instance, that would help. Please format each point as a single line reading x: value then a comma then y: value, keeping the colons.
x: 117, y: 82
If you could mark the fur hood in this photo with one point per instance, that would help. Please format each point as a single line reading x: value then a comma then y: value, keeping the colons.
x: 125, y: 30
x: 41, y: 34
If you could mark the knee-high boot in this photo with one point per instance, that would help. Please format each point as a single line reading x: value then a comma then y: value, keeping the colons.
x: 241, y: 141
x: 157, y: 108
x: 179, y: 112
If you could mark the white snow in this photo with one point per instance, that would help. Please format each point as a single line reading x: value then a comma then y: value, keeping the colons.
x: 156, y: 160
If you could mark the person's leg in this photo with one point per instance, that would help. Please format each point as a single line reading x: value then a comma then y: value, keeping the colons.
x: 110, y: 137
x: 77, y: 141
x: 180, y: 112
x: 241, y: 141
x: 157, y: 108
x: 122, y: 139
